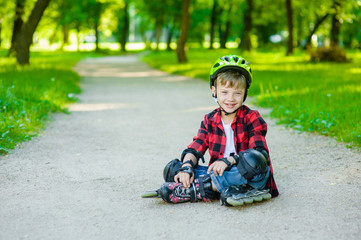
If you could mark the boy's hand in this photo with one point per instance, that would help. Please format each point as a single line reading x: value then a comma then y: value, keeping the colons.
x: 218, y: 168
x: 184, y: 178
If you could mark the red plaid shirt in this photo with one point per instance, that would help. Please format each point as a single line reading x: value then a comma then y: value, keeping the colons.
x: 249, y: 132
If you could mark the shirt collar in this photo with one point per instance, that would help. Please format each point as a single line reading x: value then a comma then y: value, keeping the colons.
x: 216, y: 118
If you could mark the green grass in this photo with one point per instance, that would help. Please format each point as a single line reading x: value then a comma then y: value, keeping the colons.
x: 313, y: 97
x: 29, y: 94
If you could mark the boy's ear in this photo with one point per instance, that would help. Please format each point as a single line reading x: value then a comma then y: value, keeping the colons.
x: 214, y: 91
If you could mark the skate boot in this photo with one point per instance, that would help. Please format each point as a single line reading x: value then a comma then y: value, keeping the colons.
x: 239, y: 195
x: 201, y: 189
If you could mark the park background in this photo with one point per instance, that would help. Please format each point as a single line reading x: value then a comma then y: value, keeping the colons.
x: 305, y: 55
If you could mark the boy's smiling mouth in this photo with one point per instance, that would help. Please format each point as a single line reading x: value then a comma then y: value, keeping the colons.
x: 228, y: 105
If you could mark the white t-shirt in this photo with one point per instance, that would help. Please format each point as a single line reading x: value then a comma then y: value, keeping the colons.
x: 230, y: 147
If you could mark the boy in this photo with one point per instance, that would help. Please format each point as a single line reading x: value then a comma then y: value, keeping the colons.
x: 239, y: 168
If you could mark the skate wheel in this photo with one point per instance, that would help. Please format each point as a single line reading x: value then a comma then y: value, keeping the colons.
x: 149, y: 194
x: 266, y: 196
x: 235, y: 202
x: 257, y: 198
x: 248, y: 200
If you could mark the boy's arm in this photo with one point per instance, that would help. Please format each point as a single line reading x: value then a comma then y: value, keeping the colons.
x: 257, y: 129
x: 191, y: 155
x: 184, y: 177
x: 200, y: 141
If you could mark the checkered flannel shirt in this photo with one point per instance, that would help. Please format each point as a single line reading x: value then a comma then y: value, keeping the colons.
x: 249, y: 132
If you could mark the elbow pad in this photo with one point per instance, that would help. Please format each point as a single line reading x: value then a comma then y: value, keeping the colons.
x: 251, y: 163
x: 197, y: 154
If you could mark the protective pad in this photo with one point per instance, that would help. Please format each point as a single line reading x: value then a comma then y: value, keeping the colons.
x: 171, y: 169
x: 250, y: 163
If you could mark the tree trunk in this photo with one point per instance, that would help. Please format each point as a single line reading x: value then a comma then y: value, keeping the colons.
x: 1, y: 25
x: 125, y: 29
x: 290, y: 27
x: 299, y: 29
x: 181, y: 53
x: 158, y: 31
x: 77, y: 28
x: 65, y: 36
x: 225, y: 34
x: 25, y: 36
x: 316, y: 25
x: 54, y: 35
x: 96, y: 29
x: 18, y: 24
x: 246, y: 43
x: 336, y: 24
x: 213, y: 23
x: 98, y: 11
x: 169, y: 37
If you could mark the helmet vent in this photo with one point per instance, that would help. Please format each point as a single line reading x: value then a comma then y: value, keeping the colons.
x: 235, y: 59
x: 227, y: 59
x: 243, y: 61
x: 216, y: 65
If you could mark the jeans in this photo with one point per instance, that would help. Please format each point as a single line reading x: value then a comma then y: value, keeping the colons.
x: 232, y: 177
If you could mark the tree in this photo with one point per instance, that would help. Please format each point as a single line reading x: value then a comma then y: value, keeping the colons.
x: 268, y: 18
x: 213, y: 23
x: 336, y: 23
x: 174, y: 17
x: 290, y: 27
x: 224, y: 33
x: 25, y: 36
x: 18, y: 24
x: 321, y: 13
x: 123, y: 26
x: 181, y: 53
x: 246, y: 43
x: 350, y: 32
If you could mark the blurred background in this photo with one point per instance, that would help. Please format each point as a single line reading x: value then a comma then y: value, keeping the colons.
x: 305, y: 55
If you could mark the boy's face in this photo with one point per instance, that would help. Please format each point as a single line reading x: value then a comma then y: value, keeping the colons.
x: 229, y: 98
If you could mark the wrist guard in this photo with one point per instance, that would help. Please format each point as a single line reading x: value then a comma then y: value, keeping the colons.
x: 186, y: 169
x: 225, y: 160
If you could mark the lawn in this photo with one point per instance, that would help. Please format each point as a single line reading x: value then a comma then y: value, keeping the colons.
x: 313, y: 97
x: 29, y: 94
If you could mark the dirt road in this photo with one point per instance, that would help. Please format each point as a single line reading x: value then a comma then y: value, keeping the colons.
x: 83, y: 176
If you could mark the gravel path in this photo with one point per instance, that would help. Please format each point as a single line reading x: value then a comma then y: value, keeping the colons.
x: 83, y: 176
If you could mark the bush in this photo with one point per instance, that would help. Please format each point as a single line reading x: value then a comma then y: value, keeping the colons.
x: 331, y: 54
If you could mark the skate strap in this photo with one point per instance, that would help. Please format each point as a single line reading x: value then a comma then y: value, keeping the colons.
x: 201, y: 187
x: 193, y: 193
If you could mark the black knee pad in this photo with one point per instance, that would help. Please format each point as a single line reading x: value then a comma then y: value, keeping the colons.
x: 251, y: 163
x: 171, y: 169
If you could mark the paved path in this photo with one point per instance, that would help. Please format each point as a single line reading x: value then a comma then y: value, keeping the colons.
x: 83, y: 176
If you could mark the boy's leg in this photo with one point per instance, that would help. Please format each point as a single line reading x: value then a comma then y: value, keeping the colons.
x: 236, y: 190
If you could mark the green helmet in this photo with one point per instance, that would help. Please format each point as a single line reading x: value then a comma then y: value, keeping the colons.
x: 232, y: 62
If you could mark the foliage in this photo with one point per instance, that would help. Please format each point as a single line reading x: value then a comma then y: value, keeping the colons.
x: 312, y: 97
x: 331, y: 54
x: 28, y: 94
